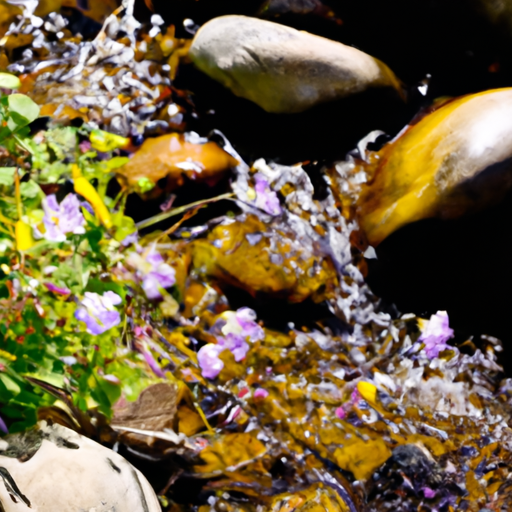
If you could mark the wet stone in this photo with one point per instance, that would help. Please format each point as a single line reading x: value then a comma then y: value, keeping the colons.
x: 281, y: 69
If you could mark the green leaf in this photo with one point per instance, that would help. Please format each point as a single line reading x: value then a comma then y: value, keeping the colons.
x: 125, y: 226
x: 7, y: 175
x: 30, y: 189
x: 22, y: 109
x: 4, y: 133
x: 8, y: 81
x: 10, y: 384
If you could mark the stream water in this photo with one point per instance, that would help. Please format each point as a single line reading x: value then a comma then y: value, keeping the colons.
x: 462, y: 266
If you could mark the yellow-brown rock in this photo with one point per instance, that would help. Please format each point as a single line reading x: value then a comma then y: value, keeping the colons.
x: 250, y: 256
x: 452, y: 161
x: 172, y: 157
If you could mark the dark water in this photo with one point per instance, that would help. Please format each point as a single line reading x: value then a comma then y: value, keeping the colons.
x: 462, y: 266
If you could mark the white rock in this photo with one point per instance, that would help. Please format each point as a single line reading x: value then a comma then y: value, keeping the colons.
x: 71, y: 473
x: 281, y: 69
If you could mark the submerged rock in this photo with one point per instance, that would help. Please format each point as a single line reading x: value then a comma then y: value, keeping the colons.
x: 248, y: 255
x: 452, y: 161
x: 172, y: 157
x: 281, y: 69
x: 55, y: 469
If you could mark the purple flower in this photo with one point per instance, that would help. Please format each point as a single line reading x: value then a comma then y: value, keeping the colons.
x: 69, y: 360
x: 240, y: 326
x: 236, y: 344
x: 436, y: 334
x: 209, y: 362
x: 62, y: 218
x: 246, y: 317
x: 208, y: 356
x: 156, y: 275
x: 87, y: 206
x: 57, y: 289
x: 243, y: 323
x: 130, y: 239
x: 112, y: 379
x: 428, y: 492
x: 266, y: 198
x: 98, y: 312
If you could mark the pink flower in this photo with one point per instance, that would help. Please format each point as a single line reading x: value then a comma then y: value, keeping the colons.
x: 340, y: 412
x: 84, y: 146
x: 260, y: 394
x: 436, y: 334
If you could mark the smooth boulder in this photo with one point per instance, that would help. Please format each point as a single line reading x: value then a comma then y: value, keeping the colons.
x: 282, y: 69
x: 54, y: 469
x: 455, y: 160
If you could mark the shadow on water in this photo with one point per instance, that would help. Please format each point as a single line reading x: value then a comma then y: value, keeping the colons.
x: 325, y: 132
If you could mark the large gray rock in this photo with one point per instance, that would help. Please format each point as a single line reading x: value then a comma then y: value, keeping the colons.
x: 281, y: 69
x: 54, y: 469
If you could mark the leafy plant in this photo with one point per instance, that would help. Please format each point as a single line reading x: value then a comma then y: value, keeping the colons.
x: 57, y: 254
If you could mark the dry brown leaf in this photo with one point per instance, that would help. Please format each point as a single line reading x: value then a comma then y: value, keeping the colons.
x: 155, y: 409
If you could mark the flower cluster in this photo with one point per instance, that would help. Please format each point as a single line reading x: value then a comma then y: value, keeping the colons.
x: 98, y: 312
x: 436, y: 334
x: 239, y: 326
x: 60, y: 219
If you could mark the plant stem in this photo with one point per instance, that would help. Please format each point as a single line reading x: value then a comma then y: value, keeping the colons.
x: 176, y: 211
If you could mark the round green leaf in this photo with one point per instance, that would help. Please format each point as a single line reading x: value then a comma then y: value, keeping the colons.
x: 8, y: 81
x: 22, y: 106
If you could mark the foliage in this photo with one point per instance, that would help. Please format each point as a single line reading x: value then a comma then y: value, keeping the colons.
x: 43, y: 280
